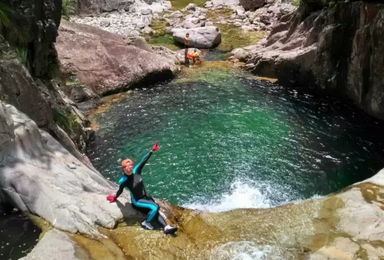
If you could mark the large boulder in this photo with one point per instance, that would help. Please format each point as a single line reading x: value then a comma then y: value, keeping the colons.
x: 39, y: 176
x: 201, y: 37
x: 105, y: 62
x: 98, y: 6
x: 252, y: 4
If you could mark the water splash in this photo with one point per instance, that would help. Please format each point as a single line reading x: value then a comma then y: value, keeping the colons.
x: 245, y: 193
x: 242, y: 194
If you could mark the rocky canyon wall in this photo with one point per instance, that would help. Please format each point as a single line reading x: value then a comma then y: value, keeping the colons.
x: 332, y: 45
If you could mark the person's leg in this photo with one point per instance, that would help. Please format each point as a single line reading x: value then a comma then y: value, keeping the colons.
x: 161, y: 220
x: 167, y: 229
x: 158, y: 216
x: 148, y: 204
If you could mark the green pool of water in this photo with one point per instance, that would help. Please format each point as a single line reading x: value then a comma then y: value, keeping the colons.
x: 228, y: 141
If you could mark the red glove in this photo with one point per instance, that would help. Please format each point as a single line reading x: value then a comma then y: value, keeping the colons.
x: 155, y: 147
x: 111, y: 198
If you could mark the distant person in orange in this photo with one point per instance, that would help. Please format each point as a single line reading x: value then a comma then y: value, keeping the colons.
x: 186, y: 44
x: 193, y: 56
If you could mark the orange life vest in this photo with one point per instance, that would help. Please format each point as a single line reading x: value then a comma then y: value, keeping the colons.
x: 193, y: 55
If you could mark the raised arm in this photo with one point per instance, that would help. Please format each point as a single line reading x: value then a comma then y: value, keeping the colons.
x: 139, y: 167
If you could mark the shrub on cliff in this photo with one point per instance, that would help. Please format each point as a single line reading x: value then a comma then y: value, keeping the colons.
x: 296, y: 2
x: 11, y: 26
x: 68, y: 9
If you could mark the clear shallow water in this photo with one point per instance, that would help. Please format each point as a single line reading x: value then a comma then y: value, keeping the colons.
x: 229, y: 142
x: 18, y: 235
x: 246, y: 250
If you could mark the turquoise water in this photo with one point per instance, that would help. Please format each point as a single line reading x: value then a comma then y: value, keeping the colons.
x: 228, y: 141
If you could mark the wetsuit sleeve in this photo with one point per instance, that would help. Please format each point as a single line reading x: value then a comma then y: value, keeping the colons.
x: 121, y: 188
x: 137, y: 169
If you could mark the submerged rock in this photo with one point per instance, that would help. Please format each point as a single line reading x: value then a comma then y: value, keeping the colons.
x: 57, y: 245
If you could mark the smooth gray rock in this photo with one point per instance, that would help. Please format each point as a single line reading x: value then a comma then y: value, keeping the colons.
x: 39, y: 176
x: 56, y: 245
x: 167, y: 4
x: 208, y: 4
x: 194, y: 20
x: 146, y: 11
x: 191, y: 7
x: 111, y: 64
x: 189, y: 25
x: 225, y: 2
x: 201, y: 37
x: 176, y: 14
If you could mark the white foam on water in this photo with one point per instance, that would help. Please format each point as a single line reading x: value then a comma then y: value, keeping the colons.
x: 243, y: 250
x: 245, y: 193
x: 241, y: 195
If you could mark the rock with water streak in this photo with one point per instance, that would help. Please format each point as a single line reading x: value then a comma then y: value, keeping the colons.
x: 201, y: 37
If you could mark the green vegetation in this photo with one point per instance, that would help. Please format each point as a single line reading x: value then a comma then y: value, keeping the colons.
x: 11, y: 26
x: 232, y: 37
x: 67, y: 121
x: 161, y: 38
x: 68, y: 9
x: 296, y: 2
x: 4, y: 13
x: 4, y: 97
x: 165, y: 40
x: 22, y: 55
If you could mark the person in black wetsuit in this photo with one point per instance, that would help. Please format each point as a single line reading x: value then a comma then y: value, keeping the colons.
x: 133, y: 181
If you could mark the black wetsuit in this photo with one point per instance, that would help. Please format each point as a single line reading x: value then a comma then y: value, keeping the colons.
x: 139, y: 196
